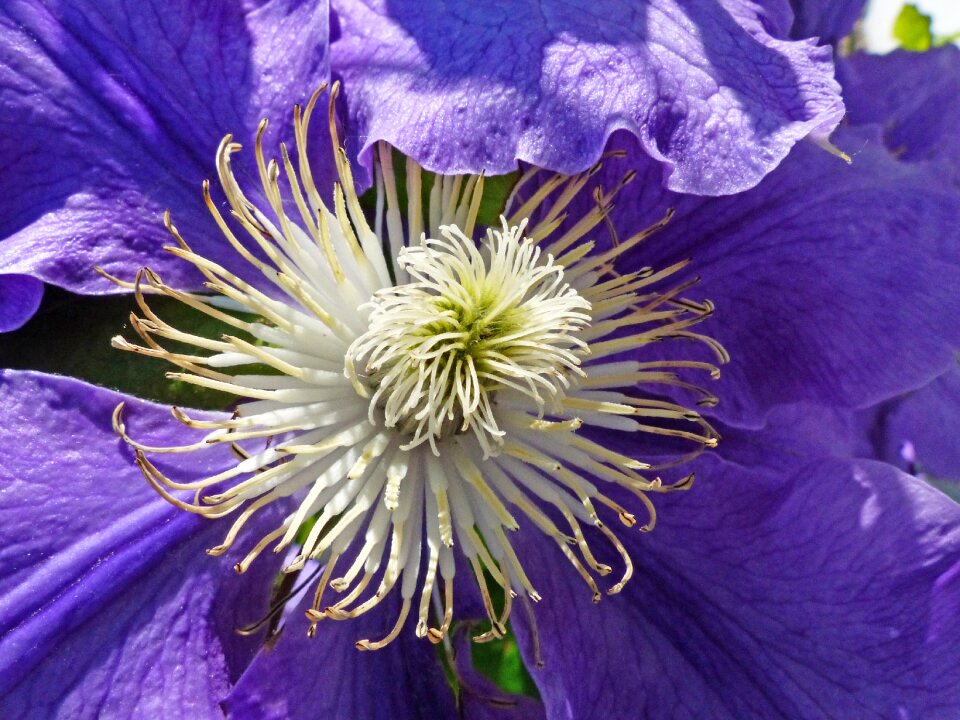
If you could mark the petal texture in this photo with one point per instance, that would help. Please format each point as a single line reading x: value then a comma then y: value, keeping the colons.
x: 302, y: 678
x: 110, y: 607
x: 20, y: 296
x: 919, y: 431
x: 914, y: 96
x: 462, y: 87
x: 829, y: 592
x: 820, y: 275
x: 112, y: 113
x: 825, y: 19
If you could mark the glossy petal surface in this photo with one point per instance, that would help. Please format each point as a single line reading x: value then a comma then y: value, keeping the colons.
x: 110, y: 606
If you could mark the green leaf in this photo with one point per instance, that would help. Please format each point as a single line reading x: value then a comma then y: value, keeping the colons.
x: 913, y: 29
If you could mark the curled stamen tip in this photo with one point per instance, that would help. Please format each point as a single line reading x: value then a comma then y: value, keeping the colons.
x: 218, y: 550
x: 336, y: 613
x: 647, y: 528
x: 636, y: 465
x: 597, y: 597
x: 604, y: 569
x: 487, y: 636
x: 616, y: 588
x: 118, y: 426
x: 314, y: 616
x: 239, y: 569
x: 435, y: 635
x: 297, y: 564
x: 535, y: 596
x: 628, y: 519
x: 339, y: 584
x: 312, y: 631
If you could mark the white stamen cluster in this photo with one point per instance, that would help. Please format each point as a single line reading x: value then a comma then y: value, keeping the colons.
x: 471, y: 322
x: 377, y: 372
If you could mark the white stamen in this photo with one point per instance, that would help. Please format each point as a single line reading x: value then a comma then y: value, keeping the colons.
x: 524, y: 339
x: 472, y: 321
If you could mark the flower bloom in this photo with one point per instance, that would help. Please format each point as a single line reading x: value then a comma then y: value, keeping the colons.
x: 793, y: 581
x: 407, y: 359
x: 159, y: 83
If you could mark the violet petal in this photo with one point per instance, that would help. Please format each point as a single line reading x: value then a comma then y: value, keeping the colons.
x: 110, y: 605
x: 831, y: 592
x: 821, y: 275
x: 112, y: 113
x: 463, y: 87
x: 827, y: 20
x: 302, y: 678
x: 914, y: 96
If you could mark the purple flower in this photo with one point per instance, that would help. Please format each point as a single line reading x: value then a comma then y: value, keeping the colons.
x: 914, y: 97
x: 110, y: 606
x: 792, y: 581
x: 111, y: 112
x: 825, y: 19
x: 917, y: 431
x: 135, y: 100
x: 711, y: 90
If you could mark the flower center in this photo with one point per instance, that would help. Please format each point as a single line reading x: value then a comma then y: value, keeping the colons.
x: 532, y: 339
x: 474, y: 320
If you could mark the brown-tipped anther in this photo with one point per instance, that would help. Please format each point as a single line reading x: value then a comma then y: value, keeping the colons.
x: 126, y: 285
x: 335, y: 613
x: 488, y: 636
x: 117, y: 419
x: 683, y: 484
